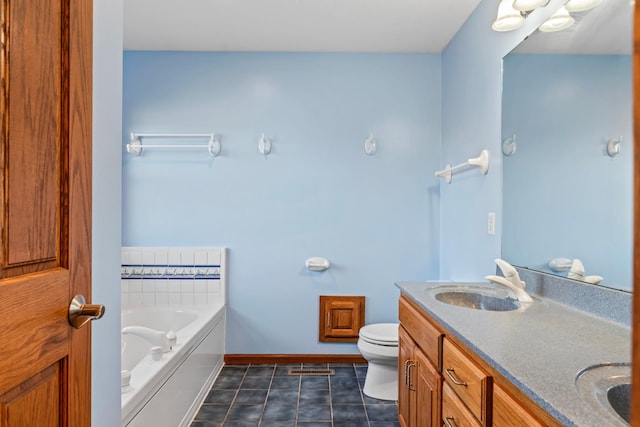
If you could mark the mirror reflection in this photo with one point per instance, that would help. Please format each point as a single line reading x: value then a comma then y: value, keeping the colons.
x: 567, y: 149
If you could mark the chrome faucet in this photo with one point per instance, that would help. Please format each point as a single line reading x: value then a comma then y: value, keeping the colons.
x: 165, y: 340
x: 511, y: 280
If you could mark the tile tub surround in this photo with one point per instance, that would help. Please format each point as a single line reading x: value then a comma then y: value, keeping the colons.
x: 142, y: 266
x: 540, y: 349
x: 266, y: 396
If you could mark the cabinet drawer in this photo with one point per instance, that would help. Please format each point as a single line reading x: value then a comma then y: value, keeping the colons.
x: 454, y: 413
x: 467, y: 380
x: 427, y: 336
x: 507, y: 412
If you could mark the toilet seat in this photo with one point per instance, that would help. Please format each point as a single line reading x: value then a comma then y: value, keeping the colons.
x: 384, y: 334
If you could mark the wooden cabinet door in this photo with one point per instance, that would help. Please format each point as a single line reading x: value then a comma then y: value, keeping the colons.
x: 406, y: 396
x: 507, y: 412
x: 45, y: 221
x: 428, y: 392
x: 341, y: 318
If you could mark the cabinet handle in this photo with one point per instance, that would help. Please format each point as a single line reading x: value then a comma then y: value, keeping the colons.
x: 406, y: 372
x: 448, y: 424
x: 450, y: 374
x: 411, y: 365
x: 329, y: 319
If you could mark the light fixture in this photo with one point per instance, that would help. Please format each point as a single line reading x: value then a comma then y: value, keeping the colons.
x: 581, y: 5
x: 508, y: 18
x: 526, y: 5
x: 558, y: 21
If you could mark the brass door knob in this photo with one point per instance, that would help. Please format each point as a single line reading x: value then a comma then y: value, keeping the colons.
x: 81, y: 313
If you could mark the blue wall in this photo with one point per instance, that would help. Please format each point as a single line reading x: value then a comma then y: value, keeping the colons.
x: 318, y: 194
x: 575, y: 200
x: 471, y: 122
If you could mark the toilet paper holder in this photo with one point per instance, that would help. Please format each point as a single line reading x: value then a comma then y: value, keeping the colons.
x: 317, y: 264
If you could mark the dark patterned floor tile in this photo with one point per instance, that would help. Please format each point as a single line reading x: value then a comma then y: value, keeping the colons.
x: 346, y: 396
x: 314, y: 413
x: 372, y: 401
x: 279, y: 413
x: 233, y: 370
x: 344, y: 383
x: 211, y: 413
x: 277, y: 424
x: 282, y: 397
x: 256, y: 382
x: 314, y: 397
x: 227, y: 383
x: 220, y: 397
x: 260, y: 370
x: 250, y: 397
x: 382, y: 412
x: 292, y: 382
x: 244, y: 413
x: 345, y: 371
x: 344, y: 413
x: 283, y: 370
x: 321, y: 382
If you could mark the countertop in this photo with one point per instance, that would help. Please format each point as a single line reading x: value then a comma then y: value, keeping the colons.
x: 540, y: 348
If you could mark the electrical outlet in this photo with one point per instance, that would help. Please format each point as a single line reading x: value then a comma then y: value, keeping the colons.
x: 491, y: 223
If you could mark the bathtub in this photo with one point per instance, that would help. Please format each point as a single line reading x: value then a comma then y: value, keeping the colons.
x: 169, y: 391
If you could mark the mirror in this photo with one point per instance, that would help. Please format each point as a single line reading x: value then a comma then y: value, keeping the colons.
x: 567, y: 149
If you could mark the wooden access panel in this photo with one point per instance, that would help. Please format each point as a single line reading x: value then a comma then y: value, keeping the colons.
x: 341, y: 318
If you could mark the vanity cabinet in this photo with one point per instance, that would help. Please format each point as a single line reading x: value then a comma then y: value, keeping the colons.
x: 470, y: 384
x: 419, y: 386
x: 442, y: 382
x: 507, y: 412
x: 454, y: 413
x: 419, y: 379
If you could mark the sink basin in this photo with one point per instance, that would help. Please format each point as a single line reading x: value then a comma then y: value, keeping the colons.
x: 619, y: 398
x: 475, y: 297
x: 607, y: 389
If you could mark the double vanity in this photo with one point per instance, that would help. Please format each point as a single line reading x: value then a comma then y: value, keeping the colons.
x: 472, y: 356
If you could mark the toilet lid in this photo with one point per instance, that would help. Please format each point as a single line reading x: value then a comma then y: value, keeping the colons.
x: 386, y: 333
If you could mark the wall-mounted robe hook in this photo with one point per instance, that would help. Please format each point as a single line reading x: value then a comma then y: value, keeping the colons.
x: 370, y: 145
x: 509, y: 145
x: 613, y: 147
x: 264, y: 145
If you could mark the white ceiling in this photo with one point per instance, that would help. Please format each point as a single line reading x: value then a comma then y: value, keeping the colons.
x: 294, y: 25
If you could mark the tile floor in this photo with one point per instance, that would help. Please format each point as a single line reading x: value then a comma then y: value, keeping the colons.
x: 267, y: 396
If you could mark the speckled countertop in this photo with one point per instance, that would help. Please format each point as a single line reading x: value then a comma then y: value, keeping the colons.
x: 540, y: 349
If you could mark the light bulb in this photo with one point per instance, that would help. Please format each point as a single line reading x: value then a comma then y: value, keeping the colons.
x: 581, y: 5
x: 525, y: 5
x: 558, y: 21
x: 508, y: 18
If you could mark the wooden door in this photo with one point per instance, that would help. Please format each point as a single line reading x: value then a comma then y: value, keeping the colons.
x: 45, y: 221
x: 406, y: 396
x: 635, y: 370
x: 428, y: 392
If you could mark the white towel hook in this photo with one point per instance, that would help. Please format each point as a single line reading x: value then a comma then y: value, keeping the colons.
x: 264, y: 145
x: 370, y: 146
x: 613, y: 147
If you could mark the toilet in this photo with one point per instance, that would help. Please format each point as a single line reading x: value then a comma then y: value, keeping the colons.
x: 378, y: 343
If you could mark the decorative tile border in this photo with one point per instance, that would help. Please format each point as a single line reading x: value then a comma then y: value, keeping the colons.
x: 172, y: 275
